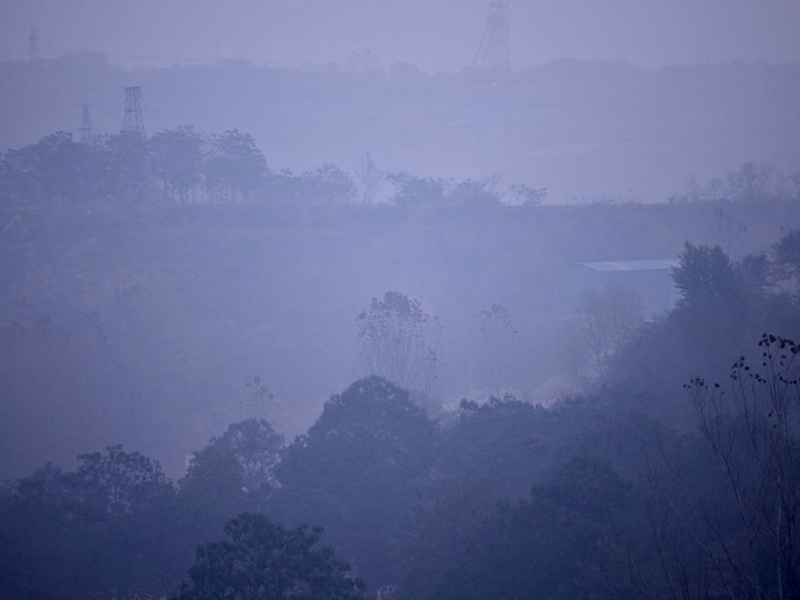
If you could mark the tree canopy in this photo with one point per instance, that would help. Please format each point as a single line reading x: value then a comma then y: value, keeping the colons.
x: 265, y: 561
x: 356, y: 470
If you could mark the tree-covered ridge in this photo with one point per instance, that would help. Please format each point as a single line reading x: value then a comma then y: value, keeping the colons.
x: 185, y: 166
x: 178, y: 165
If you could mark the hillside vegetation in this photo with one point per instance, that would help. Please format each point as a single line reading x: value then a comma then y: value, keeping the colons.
x: 167, y: 311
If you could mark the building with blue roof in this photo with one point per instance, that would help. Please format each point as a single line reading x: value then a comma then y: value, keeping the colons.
x: 652, y: 277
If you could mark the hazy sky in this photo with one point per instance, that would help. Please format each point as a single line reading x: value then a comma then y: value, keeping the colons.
x: 424, y: 32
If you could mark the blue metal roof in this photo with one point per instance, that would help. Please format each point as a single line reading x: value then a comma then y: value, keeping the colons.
x: 633, y: 265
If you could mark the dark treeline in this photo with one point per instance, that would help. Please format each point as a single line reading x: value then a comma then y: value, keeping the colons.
x: 185, y: 166
x: 674, y: 476
x: 179, y: 166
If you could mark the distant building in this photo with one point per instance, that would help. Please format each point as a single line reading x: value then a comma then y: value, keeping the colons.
x: 652, y: 277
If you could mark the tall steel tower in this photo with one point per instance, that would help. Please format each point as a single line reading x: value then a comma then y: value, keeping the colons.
x: 133, y: 122
x: 494, y: 51
x: 33, y: 45
x: 136, y: 181
x: 87, y: 135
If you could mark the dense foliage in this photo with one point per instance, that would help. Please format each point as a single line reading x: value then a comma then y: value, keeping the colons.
x: 266, y: 561
x: 184, y: 166
x: 179, y: 165
x: 637, y: 488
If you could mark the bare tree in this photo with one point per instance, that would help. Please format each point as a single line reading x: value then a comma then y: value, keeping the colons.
x: 261, y: 402
x: 495, y: 337
x: 397, y: 339
x: 528, y: 196
x: 713, y: 189
x: 752, y: 182
x: 607, y: 318
x: 735, y: 533
x: 694, y: 192
x: 729, y: 233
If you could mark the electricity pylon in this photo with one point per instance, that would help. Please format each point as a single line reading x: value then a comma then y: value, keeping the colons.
x: 133, y: 121
x: 87, y: 134
x: 494, y: 51
x: 136, y: 183
x: 33, y: 44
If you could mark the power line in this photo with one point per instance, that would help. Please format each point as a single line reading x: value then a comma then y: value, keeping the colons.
x: 543, y: 142
x: 46, y: 131
x: 391, y: 125
x: 256, y: 63
x: 598, y: 101
x: 463, y: 103
x: 69, y: 114
x: 336, y: 65
x: 54, y: 90
x: 382, y: 136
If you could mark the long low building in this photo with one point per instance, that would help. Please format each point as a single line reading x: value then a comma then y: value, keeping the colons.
x: 652, y: 277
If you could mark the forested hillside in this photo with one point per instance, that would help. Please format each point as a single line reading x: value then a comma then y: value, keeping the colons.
x: 330, y: 333
x: 158, y: 315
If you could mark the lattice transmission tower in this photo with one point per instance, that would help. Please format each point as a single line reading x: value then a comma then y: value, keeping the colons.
x: 495, y: 51
x: 136, y: 180
x: 87, y: 133
x: 33, y: 44
x: 133, y: 121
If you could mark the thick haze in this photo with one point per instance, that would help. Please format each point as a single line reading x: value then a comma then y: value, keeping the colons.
x: 468, y: 314
x: 444, y: 33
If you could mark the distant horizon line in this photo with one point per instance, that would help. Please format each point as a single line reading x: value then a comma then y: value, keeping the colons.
x: 343, y: 66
